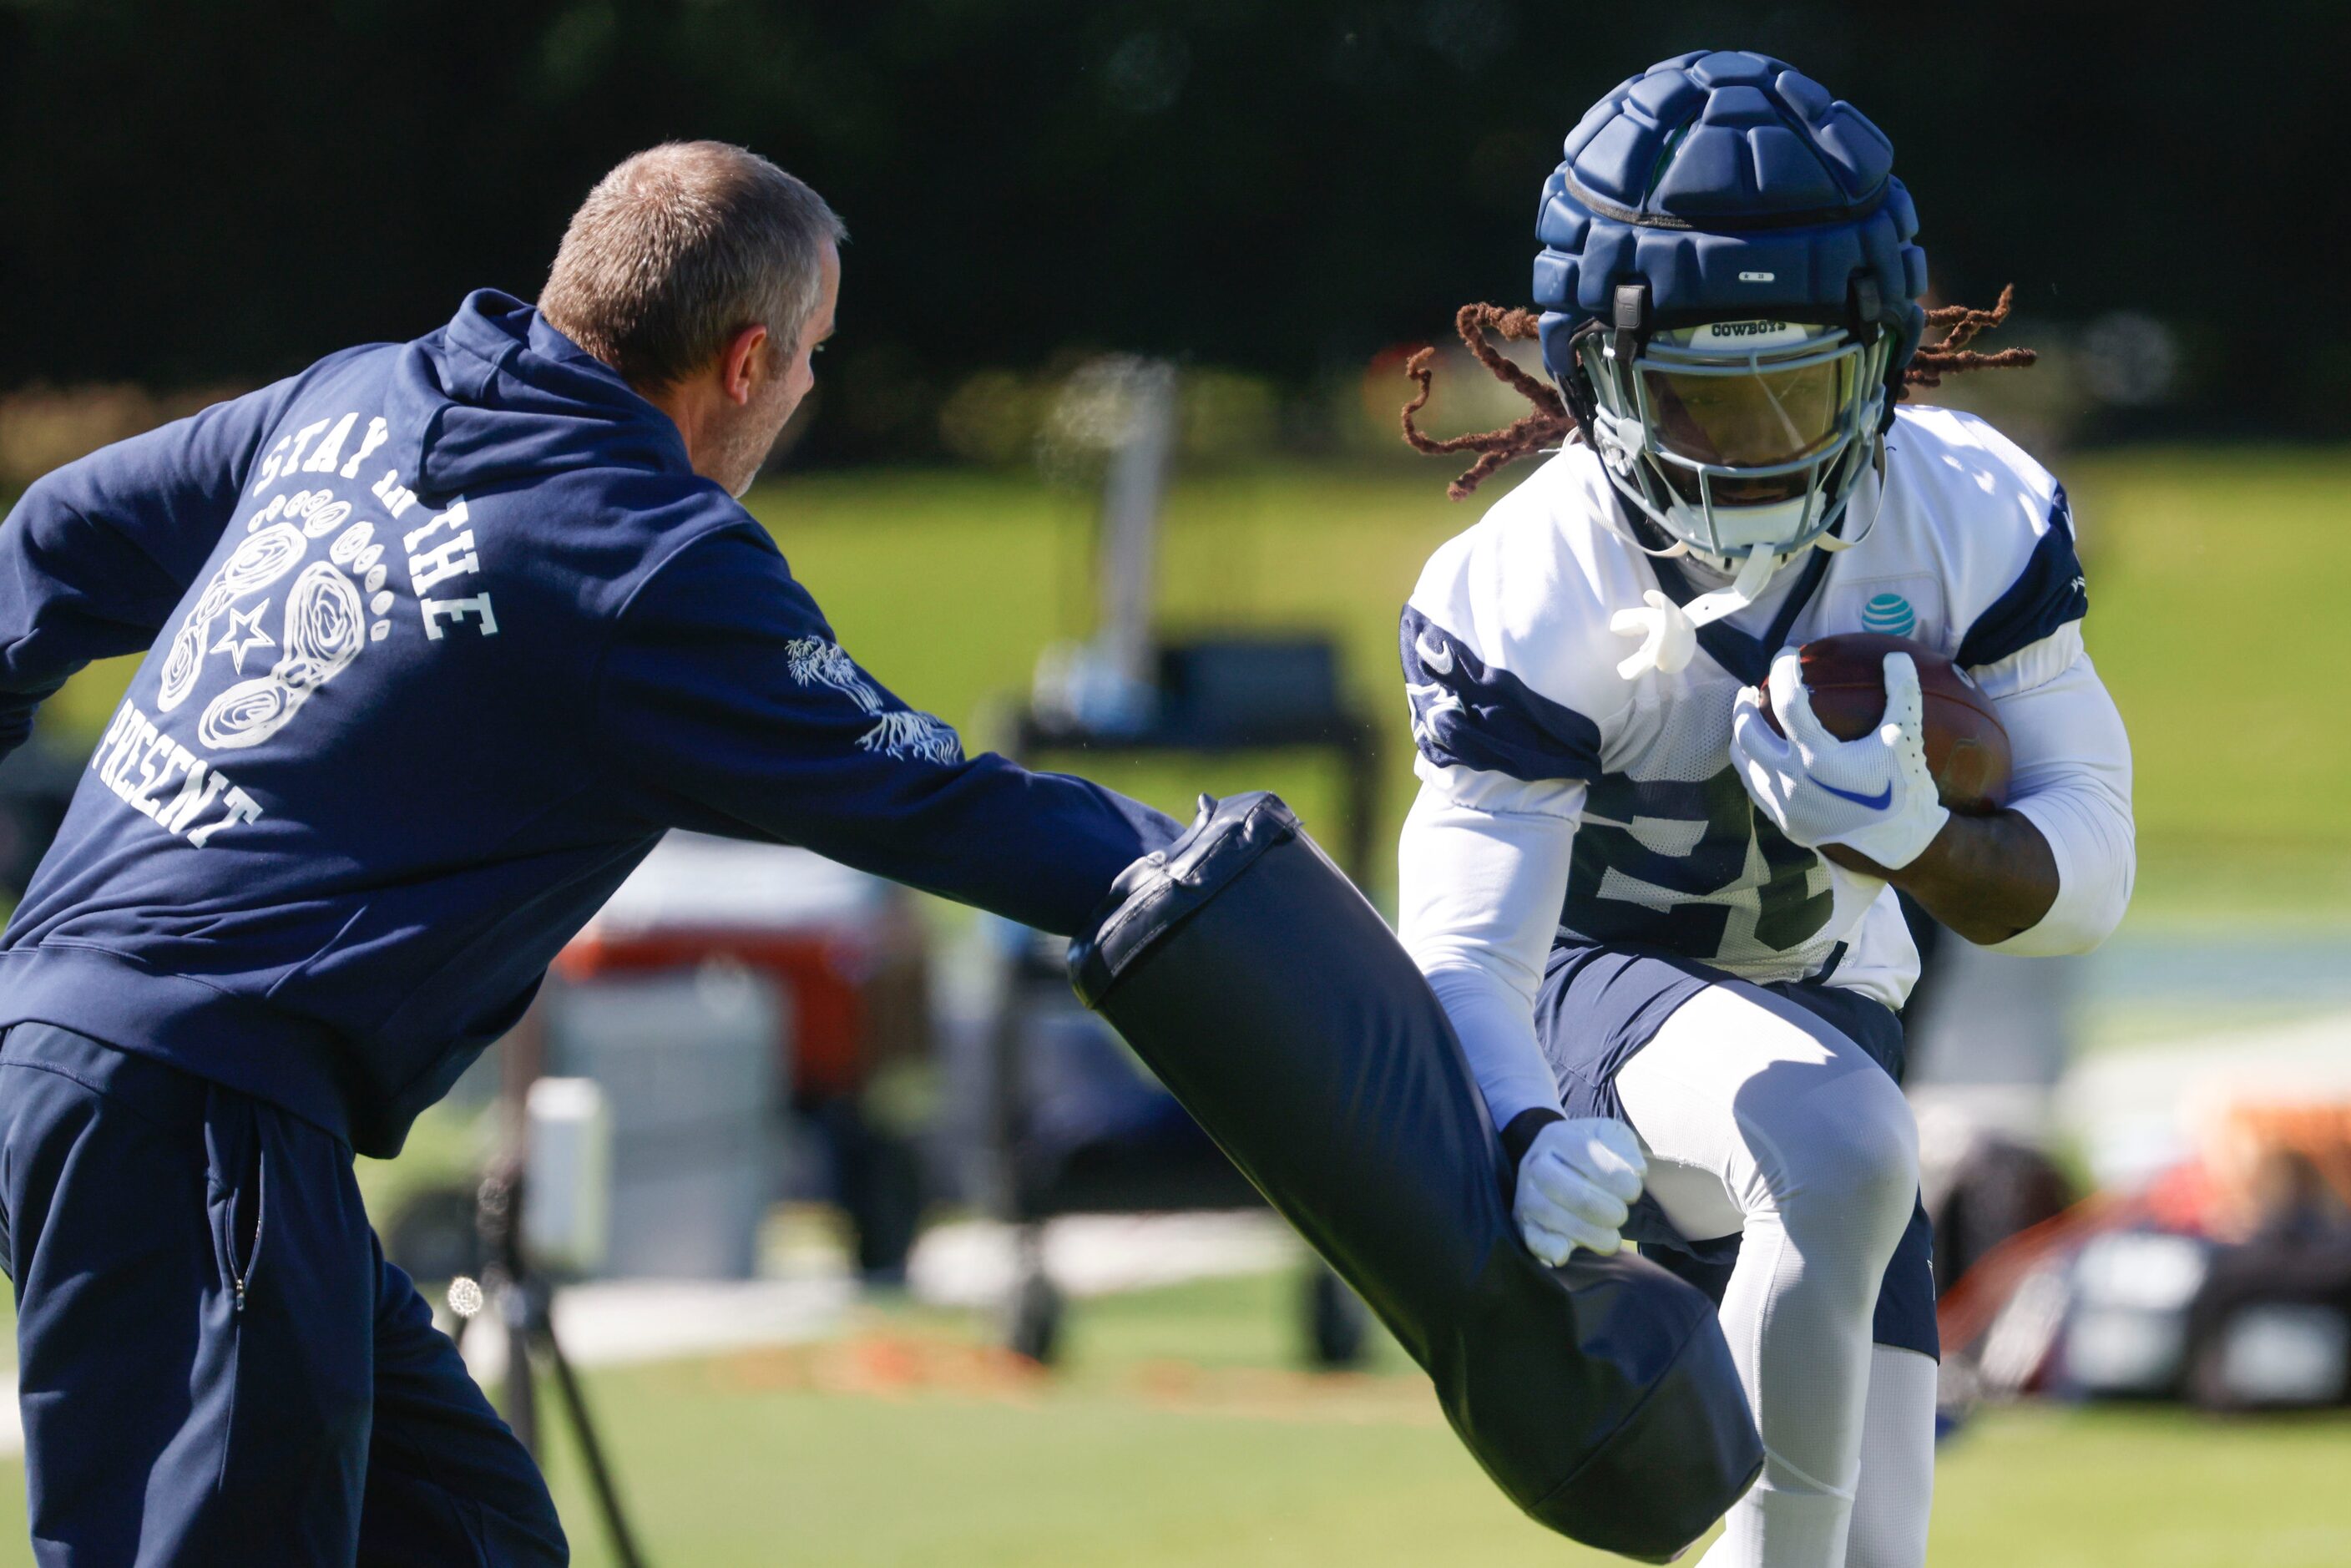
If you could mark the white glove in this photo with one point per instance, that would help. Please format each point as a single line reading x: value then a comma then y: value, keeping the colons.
x: 1873, y: 795
x: 1575, y: 1186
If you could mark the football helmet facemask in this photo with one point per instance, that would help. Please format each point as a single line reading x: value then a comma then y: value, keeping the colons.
x: 1737, y: 436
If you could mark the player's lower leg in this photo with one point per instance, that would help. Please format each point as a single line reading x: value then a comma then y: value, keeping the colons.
x: 1896, y: 1489
x: 1755, y: 1122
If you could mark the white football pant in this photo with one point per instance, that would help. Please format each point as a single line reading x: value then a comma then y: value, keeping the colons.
x: 1758, y: 1118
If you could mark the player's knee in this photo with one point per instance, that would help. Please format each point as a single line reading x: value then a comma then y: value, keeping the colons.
x: 1850, y: 1156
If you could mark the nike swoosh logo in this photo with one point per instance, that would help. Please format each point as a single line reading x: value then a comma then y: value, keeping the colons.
x: 1877, y: 802
x: 1438, y: 660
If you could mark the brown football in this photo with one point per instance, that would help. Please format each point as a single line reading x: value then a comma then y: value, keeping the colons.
x: 1966, y: 747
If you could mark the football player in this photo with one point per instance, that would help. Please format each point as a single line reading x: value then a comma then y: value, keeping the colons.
x: 1667, y: 937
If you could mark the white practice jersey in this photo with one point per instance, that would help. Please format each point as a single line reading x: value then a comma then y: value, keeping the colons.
x: 1966, y: 545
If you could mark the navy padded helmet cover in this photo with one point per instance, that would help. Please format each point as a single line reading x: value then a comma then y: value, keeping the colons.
x: 1708, y: 170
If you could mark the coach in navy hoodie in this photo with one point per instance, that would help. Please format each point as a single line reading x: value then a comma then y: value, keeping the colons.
x: 441, y: 638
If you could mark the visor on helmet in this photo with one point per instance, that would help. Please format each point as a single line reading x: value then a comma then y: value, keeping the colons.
x: 1747, y: 412
x: 1735, y: 435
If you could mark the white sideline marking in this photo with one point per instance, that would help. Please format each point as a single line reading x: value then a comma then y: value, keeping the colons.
x: 617, y: 1323
x: 974, y: 1263
x: 2139, y: 1110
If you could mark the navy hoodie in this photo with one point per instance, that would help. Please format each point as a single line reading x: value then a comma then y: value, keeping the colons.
x: 440, y: 637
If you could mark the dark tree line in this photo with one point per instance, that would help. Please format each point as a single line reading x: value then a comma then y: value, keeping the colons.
x: 193, y: 193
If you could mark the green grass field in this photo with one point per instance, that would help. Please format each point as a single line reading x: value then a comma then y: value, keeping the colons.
x: 1178, y: 1436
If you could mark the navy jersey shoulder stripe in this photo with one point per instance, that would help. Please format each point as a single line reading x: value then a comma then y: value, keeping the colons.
x: 1468, y: 714
x: 2046, y: 594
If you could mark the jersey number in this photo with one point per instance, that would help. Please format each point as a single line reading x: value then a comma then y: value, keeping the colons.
x: 1692, y: 871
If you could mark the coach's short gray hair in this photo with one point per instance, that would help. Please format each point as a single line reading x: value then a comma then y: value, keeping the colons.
x: 680, y: 248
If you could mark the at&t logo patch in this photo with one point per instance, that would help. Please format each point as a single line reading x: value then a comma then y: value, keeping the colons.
x: 1889, y: 613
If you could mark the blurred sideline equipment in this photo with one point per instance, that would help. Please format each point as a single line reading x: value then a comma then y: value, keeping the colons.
x: 688, y: 1064
x: 1600, y: 1396
x: 523, y: 1298
x: 568, y: 1162
x: 2226, y: 1283
x: 1074, y: 1125
x: 847, y: 965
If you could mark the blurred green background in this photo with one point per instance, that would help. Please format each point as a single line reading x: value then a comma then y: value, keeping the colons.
x: 2208, y: 621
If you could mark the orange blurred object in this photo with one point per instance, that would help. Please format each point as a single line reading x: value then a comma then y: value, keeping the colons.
x: 2263, y: 1155
x: 844, y: 947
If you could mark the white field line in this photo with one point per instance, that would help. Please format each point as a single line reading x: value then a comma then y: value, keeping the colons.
x: 2139, y: 1111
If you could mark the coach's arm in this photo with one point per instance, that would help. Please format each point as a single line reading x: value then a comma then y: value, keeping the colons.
x: 97, y: 554
x: 728, y: 706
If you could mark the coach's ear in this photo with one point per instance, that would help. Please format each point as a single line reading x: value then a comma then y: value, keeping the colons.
x: 742, y: 363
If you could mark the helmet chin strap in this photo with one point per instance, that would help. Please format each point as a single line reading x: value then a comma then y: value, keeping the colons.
x: 1833, y: 540
x: 1668, y: 631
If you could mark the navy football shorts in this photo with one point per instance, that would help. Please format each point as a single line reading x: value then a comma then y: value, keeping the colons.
x: 1600, y: 1005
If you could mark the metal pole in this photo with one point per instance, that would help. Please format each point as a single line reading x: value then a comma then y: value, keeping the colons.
x: 1130, y: 557
x: 495, y: 1219
x: 600, y: 1474
x: 526, y: 1310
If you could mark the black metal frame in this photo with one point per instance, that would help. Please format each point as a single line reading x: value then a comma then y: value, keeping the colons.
x: 524, y: 1299
x: 1336, y: 1323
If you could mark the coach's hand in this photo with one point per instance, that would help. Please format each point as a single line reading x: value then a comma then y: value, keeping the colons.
x: 1576, y: 1185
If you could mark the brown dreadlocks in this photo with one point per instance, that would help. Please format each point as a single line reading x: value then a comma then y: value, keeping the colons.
x: 1547, y: 423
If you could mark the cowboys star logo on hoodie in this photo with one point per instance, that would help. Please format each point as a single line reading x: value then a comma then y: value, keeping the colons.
x: 298, y: 621
x: 277, y: 620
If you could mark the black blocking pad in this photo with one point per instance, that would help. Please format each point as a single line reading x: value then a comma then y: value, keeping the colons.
x: 1274, y: 1002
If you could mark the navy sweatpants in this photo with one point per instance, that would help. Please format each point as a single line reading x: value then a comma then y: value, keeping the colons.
x: 215, y: 1363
